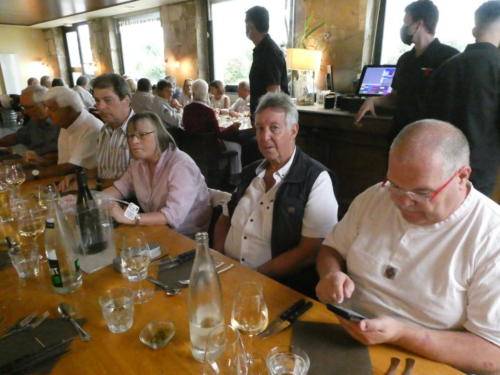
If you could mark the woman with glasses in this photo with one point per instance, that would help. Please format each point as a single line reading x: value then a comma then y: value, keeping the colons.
x: 166, y: 182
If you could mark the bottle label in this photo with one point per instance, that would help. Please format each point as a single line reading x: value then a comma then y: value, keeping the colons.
x: 55, y: 270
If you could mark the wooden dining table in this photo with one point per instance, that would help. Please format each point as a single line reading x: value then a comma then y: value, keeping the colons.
x: 123, y: 353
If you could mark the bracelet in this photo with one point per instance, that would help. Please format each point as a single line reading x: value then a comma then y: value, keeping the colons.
x: 137, y: 220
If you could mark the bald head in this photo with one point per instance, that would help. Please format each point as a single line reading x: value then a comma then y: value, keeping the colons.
x: 430, y: 142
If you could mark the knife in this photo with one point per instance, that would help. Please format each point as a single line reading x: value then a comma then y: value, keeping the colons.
x: 178, y: 260
x: 286, y: 319
x: 165, y: 286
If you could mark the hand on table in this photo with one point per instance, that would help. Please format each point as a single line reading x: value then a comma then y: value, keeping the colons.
x: 68, y: 183
x: 368, y: 106
x: 334, y: 287
x: 380, y: 330
x: 118, y: 214
x: 31, y: 157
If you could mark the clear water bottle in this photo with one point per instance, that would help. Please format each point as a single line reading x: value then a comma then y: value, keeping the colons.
x: 205, y: 300
x: 61, y: 249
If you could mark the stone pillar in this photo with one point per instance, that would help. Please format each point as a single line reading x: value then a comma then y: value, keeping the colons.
x: 56, y: 56
x: 105, y: 46
x: 180, y: 30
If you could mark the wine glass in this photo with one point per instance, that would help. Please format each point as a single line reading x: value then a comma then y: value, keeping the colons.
x: 30, y: 224
x: 5, y: 211
x: 15, y: 177
x: 46, y: 193
x: 135, y: 262
x: 225, y: 352
x: 250, y: 317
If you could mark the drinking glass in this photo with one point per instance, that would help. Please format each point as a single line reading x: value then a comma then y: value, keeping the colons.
x: 26, y: 260
x: 117, y: 307
x: 31, y: 222
x: 283, y: 360
x: 135, y: 262
x: 46, y: 193
x: 5, y: 212
x: 225, y: 352
x: 14, y: 176
x: 250, y: 317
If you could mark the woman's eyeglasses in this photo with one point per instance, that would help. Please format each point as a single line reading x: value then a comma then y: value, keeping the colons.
x: 138, y: 135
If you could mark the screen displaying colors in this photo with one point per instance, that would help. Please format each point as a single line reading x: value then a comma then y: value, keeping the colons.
x: 376, y: 80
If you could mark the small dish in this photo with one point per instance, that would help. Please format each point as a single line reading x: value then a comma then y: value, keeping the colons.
x: 157, y: 334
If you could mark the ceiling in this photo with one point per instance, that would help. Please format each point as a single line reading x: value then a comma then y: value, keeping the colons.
x: 53, y: 13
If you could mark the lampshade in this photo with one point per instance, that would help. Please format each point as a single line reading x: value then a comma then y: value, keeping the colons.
x: 303, y: 59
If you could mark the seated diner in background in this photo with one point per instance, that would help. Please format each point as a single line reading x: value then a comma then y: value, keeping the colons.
x: 78, y: 136
x: 162, y: 106
x: 167, y: 183
x: 186, y: 96
x: 199, y: 117
x: 241, y: 106
x: 218, y: 98
x: 39, y: 135
x: 284, y: 206
x: 418, y: 255
x: 142, y: 100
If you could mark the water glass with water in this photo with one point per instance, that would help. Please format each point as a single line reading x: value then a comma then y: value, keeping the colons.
x: 26, y: 260
x: 117, y: 307
x: 284, y: 360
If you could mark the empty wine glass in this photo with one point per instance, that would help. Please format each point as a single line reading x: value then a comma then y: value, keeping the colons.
x: 5, y: 212
x: 250, y: 317
x: 15, y: 177
x: 135, y: 262
x: 225, y: 352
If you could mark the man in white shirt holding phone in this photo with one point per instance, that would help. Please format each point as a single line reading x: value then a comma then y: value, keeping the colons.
x: 420, y: 253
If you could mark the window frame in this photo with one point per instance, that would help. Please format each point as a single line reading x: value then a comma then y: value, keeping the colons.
x: 68, y: 29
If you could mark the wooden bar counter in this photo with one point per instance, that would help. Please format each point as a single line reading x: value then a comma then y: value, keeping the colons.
x: 355, y: 152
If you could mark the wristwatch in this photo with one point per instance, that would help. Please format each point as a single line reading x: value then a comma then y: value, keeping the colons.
x: 35, y: 173
x: 137, y: 220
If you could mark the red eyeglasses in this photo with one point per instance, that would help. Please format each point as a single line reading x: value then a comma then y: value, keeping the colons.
x: 417, y: 197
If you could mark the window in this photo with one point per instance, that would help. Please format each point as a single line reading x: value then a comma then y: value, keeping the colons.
x: 456, y: 20
x: 142, y: 46
x: 79, y: 52
x: 232, y: 50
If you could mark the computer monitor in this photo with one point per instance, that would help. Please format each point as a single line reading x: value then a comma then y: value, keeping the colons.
x: 376, y: 80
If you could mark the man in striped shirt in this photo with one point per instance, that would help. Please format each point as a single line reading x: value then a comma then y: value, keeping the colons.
x: 112, y: 96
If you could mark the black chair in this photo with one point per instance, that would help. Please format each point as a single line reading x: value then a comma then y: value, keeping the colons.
x: 205, y: 149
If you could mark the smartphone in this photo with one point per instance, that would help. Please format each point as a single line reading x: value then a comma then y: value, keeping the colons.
x: 345, y: 313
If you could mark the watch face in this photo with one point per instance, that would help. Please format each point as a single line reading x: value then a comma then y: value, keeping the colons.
x: 35, y: 172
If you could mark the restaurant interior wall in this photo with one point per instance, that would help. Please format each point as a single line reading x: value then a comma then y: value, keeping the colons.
x: 30, y: 48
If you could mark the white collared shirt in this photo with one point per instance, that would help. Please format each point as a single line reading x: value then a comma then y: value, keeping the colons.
x: 112, y: 150
x: 249, y: 237
x: 241, y: 105
x: 77, y: 143
x: 142, y: 101
x: 445, y: 275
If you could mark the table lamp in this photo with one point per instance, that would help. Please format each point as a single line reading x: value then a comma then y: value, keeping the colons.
x: 303, y: 63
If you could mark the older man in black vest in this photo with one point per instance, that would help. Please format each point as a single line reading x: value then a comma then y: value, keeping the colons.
x: 284, y: 206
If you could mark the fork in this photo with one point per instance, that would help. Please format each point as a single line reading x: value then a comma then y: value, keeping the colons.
x: 218, y: 265
x: 30, y: 322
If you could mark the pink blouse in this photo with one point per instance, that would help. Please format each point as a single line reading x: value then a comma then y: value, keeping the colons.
x: 177, y: 189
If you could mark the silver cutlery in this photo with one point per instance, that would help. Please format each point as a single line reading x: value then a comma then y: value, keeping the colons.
x: 31, y: 321
x: 286, y: 319
x: 67, y: 312
x: 218, y: 265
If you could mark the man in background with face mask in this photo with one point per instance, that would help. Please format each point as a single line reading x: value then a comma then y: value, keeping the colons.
x: 413, y: 67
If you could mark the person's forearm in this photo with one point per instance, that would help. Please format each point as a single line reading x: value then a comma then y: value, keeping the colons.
x: 49, y: 158
x: 293, y: 260
x: 463, y: 350
x: 8, y: 140
x: 57, y: 170
x: 153, y: 218
x: 387, y: 101
x: 329, y: 260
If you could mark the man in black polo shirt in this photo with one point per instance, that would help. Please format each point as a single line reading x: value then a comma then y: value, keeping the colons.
x: 268, y: 72
x: 465, y: 91
x: 414, y: 67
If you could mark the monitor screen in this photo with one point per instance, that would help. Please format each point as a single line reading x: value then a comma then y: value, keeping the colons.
x: 376, y: 80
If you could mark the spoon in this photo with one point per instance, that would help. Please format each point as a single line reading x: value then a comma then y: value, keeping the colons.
x: 173, y: 292
x: 67, y: 312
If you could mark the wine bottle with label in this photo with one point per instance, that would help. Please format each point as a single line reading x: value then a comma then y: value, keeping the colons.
x: 89, y: 220
x: 61, y: 249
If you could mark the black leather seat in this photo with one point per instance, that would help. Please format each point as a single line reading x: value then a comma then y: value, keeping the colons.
x: 205, y: 149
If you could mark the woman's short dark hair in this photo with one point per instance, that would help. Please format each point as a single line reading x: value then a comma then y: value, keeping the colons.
x: 426, y: 11
x: 162, y: 84
x: 114, y: 82
x: 219, y: 85
x: 259, y: 16
x: 163, y: 137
